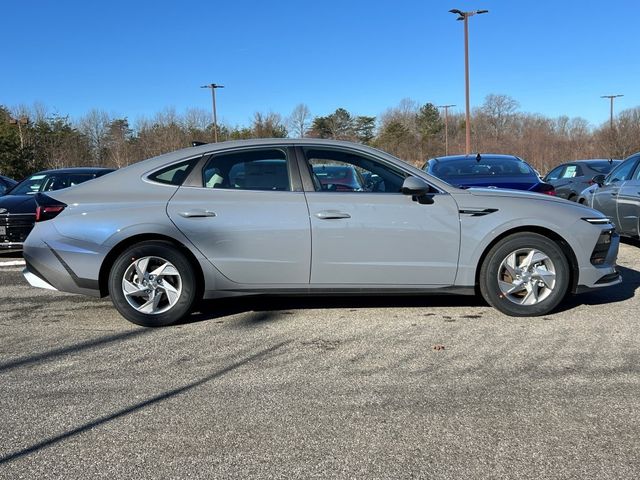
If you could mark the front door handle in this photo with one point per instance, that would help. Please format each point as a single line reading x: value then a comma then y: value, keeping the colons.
x: 197, y: 213
x: 331, y: 214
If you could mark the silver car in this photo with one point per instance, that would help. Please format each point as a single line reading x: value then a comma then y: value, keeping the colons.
x: 617, y: 195
x: 252, y: 217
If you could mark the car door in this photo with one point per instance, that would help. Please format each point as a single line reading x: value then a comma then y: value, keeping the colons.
x: 373, y: 234
x: 629, y: 203
x: 605, y: 198
x: 248, y: 215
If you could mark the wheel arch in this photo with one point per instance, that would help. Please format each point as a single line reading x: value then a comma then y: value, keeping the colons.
x: 562, y: 243
x: 105, y: 267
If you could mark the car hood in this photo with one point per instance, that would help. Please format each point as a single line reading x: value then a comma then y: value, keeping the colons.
x: 506, y: 192
x: 17, y: 204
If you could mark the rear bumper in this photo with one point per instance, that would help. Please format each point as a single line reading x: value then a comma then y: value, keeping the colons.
x: 36, y: 281
x: 60, y: 263
x: 10, y: 246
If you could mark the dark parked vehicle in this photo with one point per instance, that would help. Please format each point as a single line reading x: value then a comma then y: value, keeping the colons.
x: 341, y: 178
x: 6, y: 184
x: 487, y: 170
x: 570, y: 179
x: 617, y: 195
x: 18, y: 210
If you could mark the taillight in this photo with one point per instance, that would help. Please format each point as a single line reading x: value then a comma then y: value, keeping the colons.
x: 545, y: 188
x: 47, y: 207
x: 48, y: 212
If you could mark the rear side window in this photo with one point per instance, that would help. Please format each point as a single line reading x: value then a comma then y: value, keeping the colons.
x: 174, y: 174
x: 251, y: 170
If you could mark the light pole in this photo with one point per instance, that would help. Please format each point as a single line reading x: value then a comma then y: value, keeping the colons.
x: 213, y: 87
x: 20, y: 122
x: 611, y: 97
x: 465, y: 17
x: 446, y: 127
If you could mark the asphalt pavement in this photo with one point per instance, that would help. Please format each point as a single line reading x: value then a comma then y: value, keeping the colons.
x: 432, y: 387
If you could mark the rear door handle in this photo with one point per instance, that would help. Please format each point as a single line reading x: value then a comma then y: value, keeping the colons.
x: 331, y: 214
x: 197, y: 213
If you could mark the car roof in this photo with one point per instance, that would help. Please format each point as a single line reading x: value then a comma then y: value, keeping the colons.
x: 74, y: 170
x: 593, y: 160
x: 472, y: 156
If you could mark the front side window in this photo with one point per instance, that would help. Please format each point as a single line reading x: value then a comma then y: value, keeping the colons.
x: 250, y: 170
x: 338, y: 171
x: 622, y: 172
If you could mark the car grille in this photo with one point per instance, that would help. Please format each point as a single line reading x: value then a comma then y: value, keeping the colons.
x: 15, y: 228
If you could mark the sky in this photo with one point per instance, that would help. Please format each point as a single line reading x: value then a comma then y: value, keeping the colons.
x: 136, y: 58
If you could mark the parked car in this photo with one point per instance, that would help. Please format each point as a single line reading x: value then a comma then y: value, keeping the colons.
x: 341, y: 178
x: 487, y: 170
x: 18, y: 207
x: 171, y: 235
x: 617, y: 195
x: 6, y: 184
x: 570, y: 179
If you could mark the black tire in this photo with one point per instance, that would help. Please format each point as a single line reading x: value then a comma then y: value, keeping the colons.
x: 170, y: 309
x: 536, y: 278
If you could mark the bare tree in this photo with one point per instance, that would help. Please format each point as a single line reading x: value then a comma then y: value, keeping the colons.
x: 95, y: 125
x: 299, y: 120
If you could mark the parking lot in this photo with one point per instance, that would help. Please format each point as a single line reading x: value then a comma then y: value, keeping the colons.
x: 435, y: 387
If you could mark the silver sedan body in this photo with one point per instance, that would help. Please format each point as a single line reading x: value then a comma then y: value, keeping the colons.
x: 266, y: 225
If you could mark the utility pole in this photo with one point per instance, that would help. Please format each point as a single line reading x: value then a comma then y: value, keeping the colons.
x: 446, y: 127
x: 611, y: 97
x: 464, y: 16
x: 213, y: 87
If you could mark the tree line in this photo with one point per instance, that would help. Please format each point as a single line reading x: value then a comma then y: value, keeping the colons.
x: 33, y: 139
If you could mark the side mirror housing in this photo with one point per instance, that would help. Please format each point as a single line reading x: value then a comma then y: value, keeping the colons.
x: 415, y: 186
x: 599, y: 179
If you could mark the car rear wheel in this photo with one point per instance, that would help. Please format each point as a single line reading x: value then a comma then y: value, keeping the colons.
x: 152, y: 284
x: 525, y: 274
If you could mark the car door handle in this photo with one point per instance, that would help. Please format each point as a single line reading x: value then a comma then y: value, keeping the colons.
x: 332, y: 214
x: 197, y: 213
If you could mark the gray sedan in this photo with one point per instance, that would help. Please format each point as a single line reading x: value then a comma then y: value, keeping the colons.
x: 252, y: 217
x: 617, y: 195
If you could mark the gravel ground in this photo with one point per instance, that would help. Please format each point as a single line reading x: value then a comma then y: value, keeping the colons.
x: 437, y: 387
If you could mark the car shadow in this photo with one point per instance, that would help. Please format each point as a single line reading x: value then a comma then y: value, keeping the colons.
x: 267, y: 308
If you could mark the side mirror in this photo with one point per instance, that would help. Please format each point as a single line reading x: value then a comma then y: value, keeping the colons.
x: 415, y: 186
x: 599, y: 179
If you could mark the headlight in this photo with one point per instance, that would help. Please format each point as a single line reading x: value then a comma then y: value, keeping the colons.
x: 597, y: 220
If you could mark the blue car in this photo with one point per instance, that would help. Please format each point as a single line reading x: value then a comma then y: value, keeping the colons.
x: 6, y: 184
x: 487, y: 170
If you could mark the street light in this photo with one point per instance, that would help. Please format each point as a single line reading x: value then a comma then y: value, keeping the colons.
x: 19, y: 122
x: 611, y: 97
x: 213, y: 87
x: 465, y: 17
x: 446, y: 127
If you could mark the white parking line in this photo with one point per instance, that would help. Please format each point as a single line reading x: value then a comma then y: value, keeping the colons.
x: 12, y: 263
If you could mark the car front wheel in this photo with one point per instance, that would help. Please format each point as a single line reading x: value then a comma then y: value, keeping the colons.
x: 525, y: 274
x: 152, y: 284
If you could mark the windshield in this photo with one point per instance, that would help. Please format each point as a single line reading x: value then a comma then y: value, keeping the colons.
x: 42, y: 182
x: 487, y: 166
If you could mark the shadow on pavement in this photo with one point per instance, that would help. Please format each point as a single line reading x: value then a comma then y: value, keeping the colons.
x: 268, y: 308
x: 136, y: 407
x: 59, y: 352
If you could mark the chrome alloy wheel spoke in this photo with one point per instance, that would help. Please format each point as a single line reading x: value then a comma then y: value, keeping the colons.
x: 526, y: 276
x: 152, y: 285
